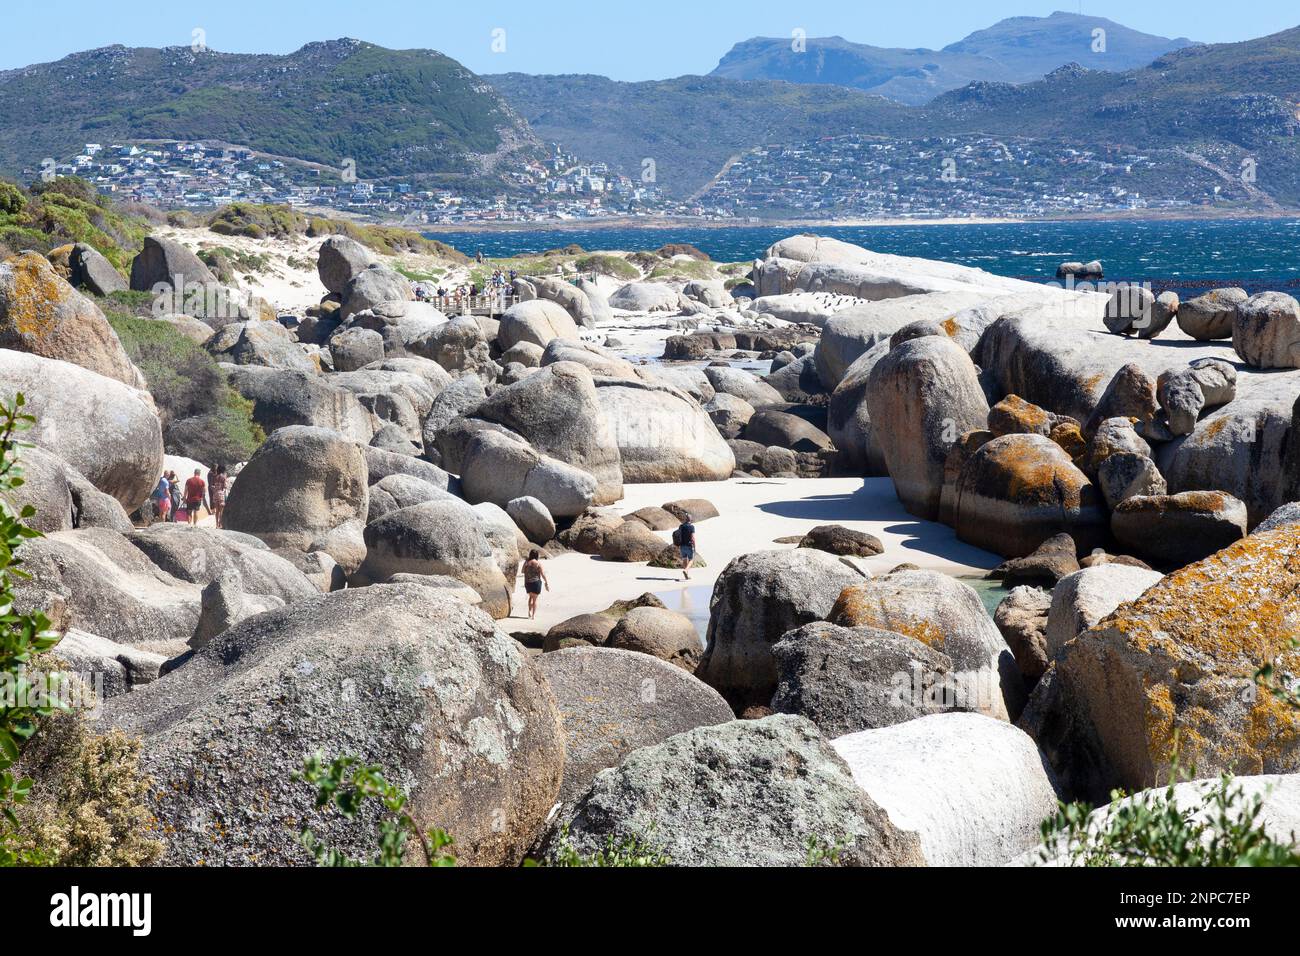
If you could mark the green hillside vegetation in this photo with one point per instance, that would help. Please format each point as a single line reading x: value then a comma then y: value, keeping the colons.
x: 256, y: 221
x: 67, y: 210
x: 607, y: 265
x: 409, y: 113
x: 203, y: 417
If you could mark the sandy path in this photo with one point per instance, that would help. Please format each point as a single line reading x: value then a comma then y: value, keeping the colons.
x: 755, y: 511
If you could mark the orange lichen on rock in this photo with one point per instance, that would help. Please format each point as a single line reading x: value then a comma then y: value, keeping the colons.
x: 857, y: 607
x: 1193, y: 644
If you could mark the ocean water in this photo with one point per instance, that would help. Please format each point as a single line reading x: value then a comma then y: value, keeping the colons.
x: 1180, y: 254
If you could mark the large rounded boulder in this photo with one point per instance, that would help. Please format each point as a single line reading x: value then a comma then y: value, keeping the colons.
x: 538, y: 321
x: 399, y: 676
x: 946, y: 616
x: 757, y: 600
x: 615, y: 701
x: 850, y: 679
x: 285, y: 397
x: 437, y: 538
x: 301, y: 485
x: 1266, y: 331
x: 1175, y: 530
x: 340, y: 260
x: 498, y: 468
x: 1172, y: 675
x: 975, y: 791
x: 1018, y: 491
x: 93, y: 580
x: 922, y: 397
x: 559, y: 413
x: 164, y: 262
x: 745, y: 793
x: 107, y: 431
x: 42, y: 314
x: 662, y: 434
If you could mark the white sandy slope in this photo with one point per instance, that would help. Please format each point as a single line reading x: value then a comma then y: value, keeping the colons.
x: 754, y: 512
x: 290, y: 281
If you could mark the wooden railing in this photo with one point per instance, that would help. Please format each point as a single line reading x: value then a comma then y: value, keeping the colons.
x: 490, y: 304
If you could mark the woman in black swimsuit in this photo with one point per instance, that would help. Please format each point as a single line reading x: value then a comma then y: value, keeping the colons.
x: 534, y: 578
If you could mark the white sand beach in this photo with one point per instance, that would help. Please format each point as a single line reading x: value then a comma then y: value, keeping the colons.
x: 754, y: 512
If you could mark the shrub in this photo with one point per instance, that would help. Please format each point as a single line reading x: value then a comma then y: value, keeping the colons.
x: 682, y: 249
x: 27, y: 698
x: 347, y: 785
x: 389, y: 240
x: 90, y: 804
x: 257, y: 221
x: 631, y: 853
x: 605, y: 265
x: 203, y: 417
x: 67, y: 210
x: 1221, y: 829
x: 12, y: 200
x: 692, y: 269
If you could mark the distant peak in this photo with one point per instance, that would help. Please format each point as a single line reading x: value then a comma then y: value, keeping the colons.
x: 1068, y: 71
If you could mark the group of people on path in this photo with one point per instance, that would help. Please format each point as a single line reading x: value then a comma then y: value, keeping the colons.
x: 175, y: 502
x: 535, y: 578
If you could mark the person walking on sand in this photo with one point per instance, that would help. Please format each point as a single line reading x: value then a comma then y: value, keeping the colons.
x: 684, y: 538
x: 534, y: 578
x: 196, y: 492
x: 217, y: 483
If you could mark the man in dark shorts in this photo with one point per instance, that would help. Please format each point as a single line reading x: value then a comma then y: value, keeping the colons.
x: 196, y: 492
x: 686, y: 544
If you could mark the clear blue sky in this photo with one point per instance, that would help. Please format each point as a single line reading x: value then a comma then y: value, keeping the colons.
x: 625, y: 39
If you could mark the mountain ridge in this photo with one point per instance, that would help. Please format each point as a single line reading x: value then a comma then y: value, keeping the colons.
x: 1014, y: 50
x: 413, y: 113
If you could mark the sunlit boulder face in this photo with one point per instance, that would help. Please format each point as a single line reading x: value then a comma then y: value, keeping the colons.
x: 662, y: 434
x: 1173, y: 674
x: 402, y: 676
x: 42, y: 314
x: 107, y: 431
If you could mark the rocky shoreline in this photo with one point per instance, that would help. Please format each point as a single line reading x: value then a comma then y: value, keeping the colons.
x: 850, y: 431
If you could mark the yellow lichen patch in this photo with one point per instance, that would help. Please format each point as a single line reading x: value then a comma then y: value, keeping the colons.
x: 1190, y: 501
x: 857, y: 608
x: 1273, y: 731
x: 1240, y: 605
x: 34, y: 294
x: 1027, y: 469
x: 1160, y: 724
x: 1214, y: 428
x: 1193, y: 644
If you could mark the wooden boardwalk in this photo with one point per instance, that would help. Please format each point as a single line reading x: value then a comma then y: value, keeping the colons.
x: 492, y: 306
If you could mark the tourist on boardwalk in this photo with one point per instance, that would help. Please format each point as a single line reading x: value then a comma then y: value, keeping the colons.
x: 684, y: 538
x: 196, y: 493
x: 534, y: 578
x: 217, y: 483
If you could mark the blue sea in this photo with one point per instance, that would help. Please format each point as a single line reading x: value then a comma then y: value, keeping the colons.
x: 1180, y: 254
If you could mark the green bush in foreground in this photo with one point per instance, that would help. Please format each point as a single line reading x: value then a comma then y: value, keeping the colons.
x: 1222, y: 829
x: 90, y: 804
x: 346, y: 784
x: 25, y: 697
